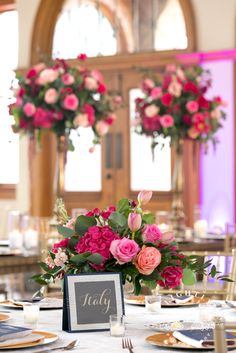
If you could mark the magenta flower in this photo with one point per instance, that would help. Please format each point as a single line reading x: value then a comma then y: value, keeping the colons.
x: 172, y: 276
x: 192, y: 106
x: 29, y: 109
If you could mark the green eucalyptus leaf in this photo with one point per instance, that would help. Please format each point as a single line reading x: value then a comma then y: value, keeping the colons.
x: 83, y: 223
x: 95, y: 258
x: 123, y: 205
x: 65, y: 232
x: 148, y: 218
x: 118, y: 220
x: 72, y: 242
x: 188, y: 277
x: 80, y: 258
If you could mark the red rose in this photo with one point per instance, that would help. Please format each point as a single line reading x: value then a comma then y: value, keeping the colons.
x: 166, y: 99
x: 203, y: 103
x: 190, y: 87
x: 102, y: 88
x: 31, y: 73
x: 172, y: 276
x: 82, y: 57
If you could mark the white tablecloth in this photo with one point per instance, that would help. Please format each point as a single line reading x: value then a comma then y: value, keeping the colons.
x: 101, y: 342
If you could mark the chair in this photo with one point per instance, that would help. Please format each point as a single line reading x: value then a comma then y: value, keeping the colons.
x: 209, y: 286
x: 230, y: 237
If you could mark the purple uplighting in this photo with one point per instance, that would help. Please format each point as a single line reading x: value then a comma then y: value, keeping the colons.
x: 217, y: 167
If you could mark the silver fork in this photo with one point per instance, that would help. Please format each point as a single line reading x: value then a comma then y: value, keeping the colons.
x: 127, y: 344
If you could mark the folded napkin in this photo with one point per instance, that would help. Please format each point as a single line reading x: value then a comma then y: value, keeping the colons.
x: 21, y: 340
x: 177, y: 299
x: 44, y: 303
x: 11, y: 331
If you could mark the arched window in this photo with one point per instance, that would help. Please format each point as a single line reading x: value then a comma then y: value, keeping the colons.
x: 9, y: 142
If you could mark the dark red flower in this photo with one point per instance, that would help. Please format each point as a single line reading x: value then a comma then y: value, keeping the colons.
x: 166, y: 99
x: 82, y: 57
x: 190, y: 87
x: 102, y: 88
x: 203, y: 103
x: 31, y: 73
x: 187, y: 119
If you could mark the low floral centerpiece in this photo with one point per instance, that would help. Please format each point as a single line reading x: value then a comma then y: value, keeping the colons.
x: 119, y: 239
x: 59, y: 97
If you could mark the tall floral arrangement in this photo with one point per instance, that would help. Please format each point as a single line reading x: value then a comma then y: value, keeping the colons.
x: 59, y: 97
x: 123, y: 239
x: 176, y: 105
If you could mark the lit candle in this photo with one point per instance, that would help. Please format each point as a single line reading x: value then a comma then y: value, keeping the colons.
x: 31, y: 314
x: 31, y: 238
x: 15, y: 240
x: 200, y: 228
x: 153, y: 307
x: 117, y: 329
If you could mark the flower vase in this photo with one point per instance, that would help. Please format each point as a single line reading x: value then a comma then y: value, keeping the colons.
x: 177, y: 209
x: 60, y: 165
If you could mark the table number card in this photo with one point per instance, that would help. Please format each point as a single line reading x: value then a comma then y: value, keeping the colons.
x: 89, y: 300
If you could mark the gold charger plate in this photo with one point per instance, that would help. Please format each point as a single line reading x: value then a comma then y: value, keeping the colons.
x: 166, y: 340
x: 48, y: 337
x: 140, y: 300
x: 4, y: 317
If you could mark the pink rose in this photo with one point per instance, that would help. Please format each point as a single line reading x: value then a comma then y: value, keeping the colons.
x: 167, y: 120
x: 71, y: 102
x: 175, y: 88
x: 144, y: 197
x: 134, y: 221
x: 67, y: 79
x: 148, y: 84
x: 172, y: 276
x: 192, y: 106
x: 90, y: 83
x: 47, y: 76
x: 97, y: 75
x: 29, y: 109
x: 97, y: 240
x: 167, y: 238
x: 51, y: 96
x: 63, y: 244
x: 156, y: 92
x: 89, y: 110
x: 101, y: 128
x: 151, y: 233
x: 151, y: 110
x: 124, y: 250
x: 147, y: 260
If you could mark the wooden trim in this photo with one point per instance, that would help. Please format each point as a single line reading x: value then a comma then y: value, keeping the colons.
x: 190, y: 24
x: 7, y: 191
x: 7, y: 5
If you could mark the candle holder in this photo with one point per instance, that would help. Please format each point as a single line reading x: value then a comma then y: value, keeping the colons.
x: 117, y: 325
x: 153, y: 304
x: 14, y: 233
x: 31, y: 315
x: 30, y: 231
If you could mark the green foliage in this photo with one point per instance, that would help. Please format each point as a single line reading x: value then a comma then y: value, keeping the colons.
x: 65, y: 232
x: 83, y: 223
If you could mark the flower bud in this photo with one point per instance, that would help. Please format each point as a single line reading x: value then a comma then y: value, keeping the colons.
x: 134, y: 221
x: 144, y: 197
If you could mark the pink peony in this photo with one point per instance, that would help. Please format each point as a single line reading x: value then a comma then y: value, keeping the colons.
x: 101, y: 128
x: 172, y: 276
x: 151, y: 233
x: 97, y: 240
x: 156, y: 92
x: 124, y: 250
x: 51, y: 96
x: 167, y: 238
x: 67, y: 79
x: 63, y: 244
x: 192, y: 106
x: 144, y: 197
x: 71, y: 102
x: 147, y: 260
x: 151, y: 110
x: 167, y: 120
x: 29, y: 109
x: 134, y: 221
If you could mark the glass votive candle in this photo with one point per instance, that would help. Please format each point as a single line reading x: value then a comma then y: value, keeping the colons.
x: 153, y: 303
x: 117, y: 325
x: 31, y: 315
x: 207, y: 311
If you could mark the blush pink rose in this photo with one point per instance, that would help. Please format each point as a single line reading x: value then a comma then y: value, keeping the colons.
x: 167, y: 120
x: 51, y: 96
x: 29, y: 109
x: 47, y: 76
x: 151, y: 110
x: 151, y: 233
x: 97, y: 75
x: 175, y: 88
x: 101, y: 128
x: 71, y: 102
x: 167, y: 238
x: 148, y: 84
x: 156, y: 92
x: 172, y: 276
x: 67, y: 79
x: 124, y: 250
x: 147, y: 260
x: 90, y: 83
x: 192, y: 106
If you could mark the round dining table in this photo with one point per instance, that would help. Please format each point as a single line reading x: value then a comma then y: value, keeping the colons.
x: 138, y: 328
